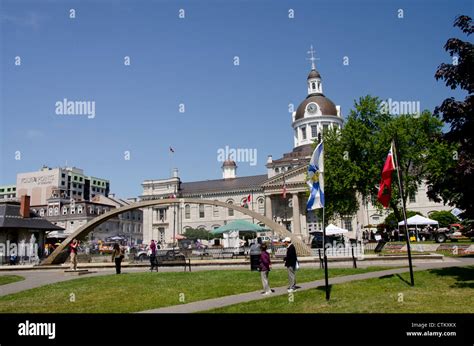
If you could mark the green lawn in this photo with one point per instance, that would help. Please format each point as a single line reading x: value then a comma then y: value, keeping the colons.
x: 133, y: 292
x: 447, y: 290
x: 8, y: 279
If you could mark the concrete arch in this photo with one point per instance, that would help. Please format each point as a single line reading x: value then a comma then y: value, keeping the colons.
x: 58, y: 254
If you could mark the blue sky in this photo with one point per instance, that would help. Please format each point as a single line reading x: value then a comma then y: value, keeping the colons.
x: 190, y: 61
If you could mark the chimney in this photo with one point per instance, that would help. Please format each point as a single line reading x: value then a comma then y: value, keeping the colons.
x: 25, y: 206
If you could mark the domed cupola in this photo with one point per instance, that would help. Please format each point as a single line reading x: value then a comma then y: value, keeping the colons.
x: 316, y: 112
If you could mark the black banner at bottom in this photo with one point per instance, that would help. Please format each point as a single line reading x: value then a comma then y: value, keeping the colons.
x: 239, y: 329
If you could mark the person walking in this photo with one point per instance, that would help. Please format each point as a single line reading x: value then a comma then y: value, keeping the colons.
x: 153, y: 255
x: 291, y: 261
x: 265, y: 265
x: 118, y: 256
x: 73, y: 247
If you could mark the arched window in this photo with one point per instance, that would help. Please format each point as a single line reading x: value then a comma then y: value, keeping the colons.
x: 50, y: 211
x: 230, y: 211
x: 313, y: 85
x: 56, y: 211
x: 261, y: 205
x: 79, y: 209
x: 41, y: 212
x: 187, y: 211
x: 64, y: 210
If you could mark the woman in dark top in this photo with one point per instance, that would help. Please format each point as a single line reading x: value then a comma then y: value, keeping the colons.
x: 118, y: 256
x: 265, y: 265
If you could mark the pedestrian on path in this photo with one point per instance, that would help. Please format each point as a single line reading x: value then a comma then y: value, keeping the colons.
x: 118, y: 256
x: 265, y: 266
x: 153, y: 256
x: 291, y: 261
x: 73, y: 249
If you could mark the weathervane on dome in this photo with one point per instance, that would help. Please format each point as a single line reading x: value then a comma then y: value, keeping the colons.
x: 313, y: 58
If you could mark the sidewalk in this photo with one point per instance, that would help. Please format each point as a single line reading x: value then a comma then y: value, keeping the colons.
x: 214, y: 303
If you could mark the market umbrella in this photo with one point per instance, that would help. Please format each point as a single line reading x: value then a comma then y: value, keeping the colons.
x: 333, y: 230
x: 238, y: 225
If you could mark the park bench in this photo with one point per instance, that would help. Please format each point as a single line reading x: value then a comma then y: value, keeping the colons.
x: 173, y: 262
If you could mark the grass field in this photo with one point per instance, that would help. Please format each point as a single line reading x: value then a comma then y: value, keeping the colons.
x: 447, y: 290
x: 133, y: 292
x: 8, y: 279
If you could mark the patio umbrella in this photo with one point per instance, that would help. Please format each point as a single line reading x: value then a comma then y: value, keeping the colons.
x: 238, y: 225
x: 116, y: 238
x: 333, y: 230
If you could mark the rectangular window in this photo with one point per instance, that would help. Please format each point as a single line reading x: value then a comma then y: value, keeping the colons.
x: 215, y: 211
x: 201, y: 211
x: 325, y: 128
x: 412, y: 198
x: 187, y: 211
x: 303, y: 133
x: 161, y: 215
x: 314, y: 131
x: 348, y: 223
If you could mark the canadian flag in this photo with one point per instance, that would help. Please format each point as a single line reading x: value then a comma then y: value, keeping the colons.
x: 246, y: 201
x: 385, y: 188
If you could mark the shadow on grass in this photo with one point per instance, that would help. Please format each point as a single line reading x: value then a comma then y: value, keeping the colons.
x: 398, y: 276
x: 323, y: 289
x: 464, y: 276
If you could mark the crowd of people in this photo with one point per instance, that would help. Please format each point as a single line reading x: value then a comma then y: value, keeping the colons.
x: 265, y: 264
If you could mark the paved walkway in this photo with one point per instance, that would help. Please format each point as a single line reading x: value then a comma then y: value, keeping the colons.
x: 209, y: 304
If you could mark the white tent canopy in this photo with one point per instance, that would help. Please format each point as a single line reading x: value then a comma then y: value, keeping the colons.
x: 332, y: 230
x: 418, y: 220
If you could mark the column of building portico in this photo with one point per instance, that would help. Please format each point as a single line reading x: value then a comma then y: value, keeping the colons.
x: 268, y: 207
x: 296, y: 215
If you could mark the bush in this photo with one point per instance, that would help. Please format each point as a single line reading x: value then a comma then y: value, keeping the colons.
x: 445, y: 218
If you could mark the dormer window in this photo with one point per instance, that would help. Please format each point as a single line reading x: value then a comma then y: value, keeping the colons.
x: 313, y: 85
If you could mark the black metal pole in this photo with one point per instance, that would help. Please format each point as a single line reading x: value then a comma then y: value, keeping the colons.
x: 326, y: 275
x: 353, y: 257
x: 407, y: 235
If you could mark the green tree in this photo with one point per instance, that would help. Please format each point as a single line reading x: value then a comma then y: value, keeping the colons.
x: 355, y: 155
x: 445, y: 218
x: 453, y: 183
x: 197, y: 233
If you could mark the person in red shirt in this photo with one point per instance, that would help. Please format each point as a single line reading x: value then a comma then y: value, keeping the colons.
x: 73, y: 247
x: 153, y: 256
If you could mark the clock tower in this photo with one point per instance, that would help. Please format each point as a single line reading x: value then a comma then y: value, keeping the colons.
x: 316, y: 113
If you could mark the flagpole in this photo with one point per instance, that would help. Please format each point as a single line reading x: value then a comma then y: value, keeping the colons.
x: 407, y: 235
x: 326, y: 275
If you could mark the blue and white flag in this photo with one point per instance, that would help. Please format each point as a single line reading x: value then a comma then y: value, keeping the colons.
x: 316, y: 179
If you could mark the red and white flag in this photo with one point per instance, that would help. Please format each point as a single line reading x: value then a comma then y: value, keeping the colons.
x: 246, y: 201
x: 385, y: 188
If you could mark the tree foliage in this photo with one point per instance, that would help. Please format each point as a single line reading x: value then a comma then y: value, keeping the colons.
x: 454, y: 185
x: 444, y: 218
x: 355, y: 155
x: 194, y: 234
